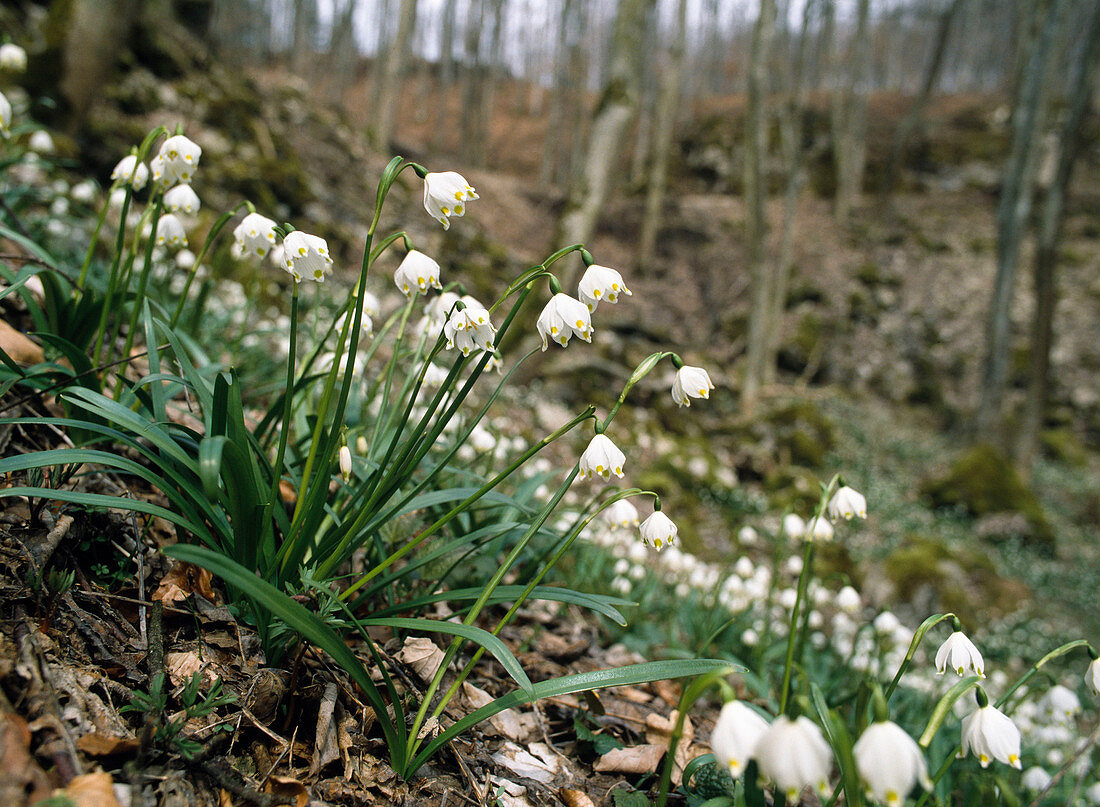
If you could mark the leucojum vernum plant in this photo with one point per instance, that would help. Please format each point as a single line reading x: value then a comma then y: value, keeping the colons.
x: 349, y: 490
x: 364, y: 490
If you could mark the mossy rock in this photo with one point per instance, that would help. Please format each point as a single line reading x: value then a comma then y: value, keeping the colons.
x: 803, y: 434
x: 1063, y: 444
x: 796, y: 352
x: 833, y: 560
x: 792, y: 488
x: 982, y: 481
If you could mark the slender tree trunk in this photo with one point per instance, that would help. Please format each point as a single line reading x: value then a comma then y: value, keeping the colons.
x: 343, y: 51
x: 548, y: 172
x: 393, y: 75
x: 668, y: 104
x: 305, y: 30
x: 850, y: 118
x: 755, y: 192
x: 617, y: 105
x: 1013, y: 211
x: 473, y: 84
x: 915, y: 115
x: 1081, y: 84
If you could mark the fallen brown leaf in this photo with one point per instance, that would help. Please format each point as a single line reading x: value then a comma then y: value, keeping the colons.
x: 99, y: 745
x: 91, y: 790
x: 287, y: 787
x: 637, y: 759
x: 421, y: 653
x: 20, y: 775
x: 326, y: 749
x: 183, y: 579
x: 575, y: 798
x: 507, y: 722
x: 20, y: 348
x: 182, y: 666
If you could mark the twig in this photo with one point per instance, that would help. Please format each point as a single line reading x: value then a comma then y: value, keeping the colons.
x: 1054, y: 780
x: 131, y: 600
x: 286, y: 749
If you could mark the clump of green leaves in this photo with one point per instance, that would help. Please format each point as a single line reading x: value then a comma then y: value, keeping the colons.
x: 166, y: 731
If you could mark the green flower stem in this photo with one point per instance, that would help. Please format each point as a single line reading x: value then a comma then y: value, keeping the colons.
x: 939, y: 714
x: 1038, y: 665
x: 640, y: 372
x: 927, y: 625
x: 139, y: 294
x: 532, y: 274
x: 95, y: 240
x: 465, y: 503
x: 388, y: 376
x: 222, y: 220
x: 387, y: 242
x: 112, y: 276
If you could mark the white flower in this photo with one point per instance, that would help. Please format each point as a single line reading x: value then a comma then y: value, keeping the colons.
x: 886, y: 623
x: 890, y: 763
x: 130, y: 171
x: 747, y: 535
x: 40, y: 142
x: 185, y: 259
x: 794, y: 755
x: 345, y: 463
x: 371, y: 306
x: 306, y: 255
x: 12, y: 58
x: 182, y: 199
x: 658, y: 530
x: 255, y: 235
x: 602, y: 458
x: 847, y: 503
x: 989, y: 735
x: 1035, y: 779
x: 848, y: 600
x: 690, y: 382
x: 1093, y: 793
x: 601, y: 283
x: 735, y: 736
x: 621, y: 514
x: 793, y: 525
x: 170, y: 232
x: 416, y: 273
x: 563, y: 317
x: 176, y: 161
x: 445, y: 194
x: 438, y: 309
x: 5, y: 115
x: 1092, y: 676
x: 818, y: 529
x: 1060, y: 703
x: 84, y: 192
x: 959, y: 653
x: 470, y: 328
x: 749, y: 637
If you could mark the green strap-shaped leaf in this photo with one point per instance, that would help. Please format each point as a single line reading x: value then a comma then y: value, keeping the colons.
x: 599, y: 603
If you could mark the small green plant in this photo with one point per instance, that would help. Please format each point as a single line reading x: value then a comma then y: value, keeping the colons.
x: 166, y: 730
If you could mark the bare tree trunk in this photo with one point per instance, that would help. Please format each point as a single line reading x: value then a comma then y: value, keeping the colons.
x: 548, y: 171
x: 343, y: 51
x: 755, y: 221
x: 915, y: 115
x: 1013, y: 211
x: 473, y: 150
x: 1081, y: 85
x: 447, y: 46
x: 305, y: 31
x: 647, y: 105
x: 617, y: 105
x: 850, y: 118
x: 668, y: 104
x: 393, y: 75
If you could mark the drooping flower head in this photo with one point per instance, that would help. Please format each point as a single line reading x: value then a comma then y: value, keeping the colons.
x: 40, y: 142
x: 988, y: 734
x: 1092, y: 676
x: 658, y: 531
x: 13, y: 58
x: 130, y: 171
x: 890, y: 763
x: 563, y: 317
x: 959, y: 654
x: 345, y: 463
x: 602, y: 458
x: 690, y: 382
x: 445, y: 195
x: 306, y: 255
x: 5, y: 115
x: 794, y: 755
x: 1060, y: 704
x: 793, y: 526
x: 621, y: 513
x: 182, y: 199
x: 1035, y: 779
x: 847, y: 504
x: 416, y: 273
x: 470, y: 328
x: 255, y: 235
x: 601, y: 283
x: 735, y: 736
x: 818, y: 529
x: 170, y: 232
x: 176, y: 161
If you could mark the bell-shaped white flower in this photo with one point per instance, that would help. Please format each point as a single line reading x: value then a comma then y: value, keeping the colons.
x: 847, y: 504
x: 182, y: 199
x: 735, y: 736
x: 445, y: 195
x: 1035, y: 779
x: 658, y: 531
x: 890, y: 763
x: 40, y: 142
x: 345, y: 463
x: 690, y: 382
x: 988, y: 734
x: 959, y: 654
x: 176, y: 161
x: 1092, y: 676
x: 1093, y: 794
x: 1060, y: 704
x: 793, y: 525
x: 470, y: 328
x: 438, y: 309
x: 794, y: 755
x: 602, y: 458
x: 563, y: 317
x: 818, y: 529
x: 13, y: 58
x: 848, y: 600
x: 170, y: 232
x: 5, y: 115
x: 416, y: 273
x: 306, y: 255
x: 254, y: 236
x: 130, y: 171
x: 621, y: 513
x: 601, y: 283
x: 371, y: 305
